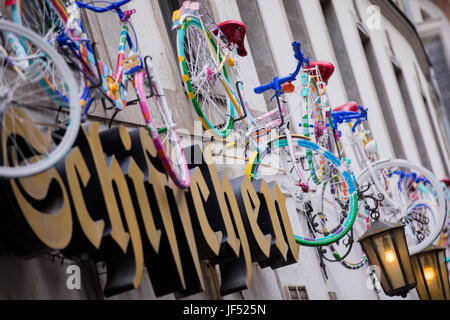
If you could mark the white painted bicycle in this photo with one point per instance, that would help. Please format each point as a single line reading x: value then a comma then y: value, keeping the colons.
x: 393, y: 190
x: 39, y: 103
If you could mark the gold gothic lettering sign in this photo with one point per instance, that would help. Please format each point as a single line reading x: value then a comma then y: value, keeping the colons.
x: 110, y: 200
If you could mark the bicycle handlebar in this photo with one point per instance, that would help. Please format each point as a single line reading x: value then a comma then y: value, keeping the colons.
x: 346, y: 116
x: 113, y: 6
x: 277, y: 82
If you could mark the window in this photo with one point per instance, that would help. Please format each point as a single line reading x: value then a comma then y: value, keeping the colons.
x: 297, y: 26
x: 296, y: 293
x: 332, y: 295
x: 167, y: 9
x: 355, y: 8
x: 425, y: 15
x: 398, y: 3
x: 412, y: 117
x: 337, y: 41
x: 258, y: 43
x: 436, y: 52
x: 391, y: 49
x: 430, y: 120
x: 386, y: 108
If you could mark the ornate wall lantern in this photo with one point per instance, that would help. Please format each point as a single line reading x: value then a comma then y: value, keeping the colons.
x: 385, y: 247
x: 431, y: 273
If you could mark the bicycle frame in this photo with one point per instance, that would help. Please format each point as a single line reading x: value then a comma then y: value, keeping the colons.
x: 253, y: 128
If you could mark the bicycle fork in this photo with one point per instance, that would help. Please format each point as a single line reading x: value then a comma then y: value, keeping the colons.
x: 302, y: 181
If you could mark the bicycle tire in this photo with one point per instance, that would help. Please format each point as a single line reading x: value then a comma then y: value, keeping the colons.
x: 353, y: 260
x: 159, y: 127
x: 207, y: 117
x: 435, y: 198
x: 48, y: 19
x: 17, y: 106
x: 347, y: 220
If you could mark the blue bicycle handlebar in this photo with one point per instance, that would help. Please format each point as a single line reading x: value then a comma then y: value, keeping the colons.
x: 346, y: 116
x: 113, y: 6
x: 277, y: 82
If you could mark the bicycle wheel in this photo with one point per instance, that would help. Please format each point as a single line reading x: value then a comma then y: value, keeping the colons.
x: 415, y: 199
x: 161, y: 127
x: 328, y: 210
x: 38, y: 124
x: 208, y: 88
x: 346, y: 253
x: 313, y: 119
x: 46, y: 18
x: 49, y: 19
x: 313, y: 122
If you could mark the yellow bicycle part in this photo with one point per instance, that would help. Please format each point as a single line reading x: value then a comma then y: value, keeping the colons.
x: 113, y: 87
x: 254, y: 156
x: 130, y: 62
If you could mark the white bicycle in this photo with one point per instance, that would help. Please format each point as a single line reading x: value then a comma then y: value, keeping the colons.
x: 396, y: 191
x: 39, y: 103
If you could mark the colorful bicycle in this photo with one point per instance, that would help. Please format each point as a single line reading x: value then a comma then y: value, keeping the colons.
x: 62, y: 26
x: 398, y: 191
x: 419, y: 203
x: 207, y: 54
x: 36, y: 85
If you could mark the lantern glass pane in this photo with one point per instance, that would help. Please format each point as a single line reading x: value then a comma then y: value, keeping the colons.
x: 421, y: 290
x: 388, y: 256
x: 444, y: 271
x: 431, y: 274
x: 403, y: 251
x: 370, y: 252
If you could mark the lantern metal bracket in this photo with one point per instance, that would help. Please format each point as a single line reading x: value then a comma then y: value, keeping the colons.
x: 373, y: 210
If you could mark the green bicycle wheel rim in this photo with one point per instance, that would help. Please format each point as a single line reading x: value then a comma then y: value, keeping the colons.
x: 180, y: 38
x: 353, y: 204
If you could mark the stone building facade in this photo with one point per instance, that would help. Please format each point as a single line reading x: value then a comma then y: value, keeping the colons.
x: 390, y: 67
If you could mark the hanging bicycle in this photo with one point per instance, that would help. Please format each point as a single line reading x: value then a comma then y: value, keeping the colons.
x: 62, y: 26
x: 35, y: 86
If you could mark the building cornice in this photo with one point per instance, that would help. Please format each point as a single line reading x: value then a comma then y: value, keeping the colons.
x: 400, y: 21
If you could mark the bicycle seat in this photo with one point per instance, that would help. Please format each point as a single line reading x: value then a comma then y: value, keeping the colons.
x: 446, y: 180
x: 348, y: 107
x: 326, y: 69
x: 235, y: 32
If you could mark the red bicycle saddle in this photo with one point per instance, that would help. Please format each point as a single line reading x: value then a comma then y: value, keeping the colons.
x: 446, y: 180
x: 348, y: 107
x: 326, y: 69
x: 235, y: 32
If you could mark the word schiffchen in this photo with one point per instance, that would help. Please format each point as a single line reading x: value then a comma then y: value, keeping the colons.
x: 110, y: 200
